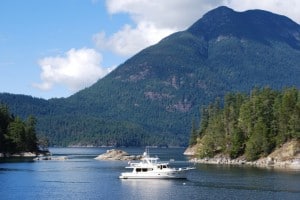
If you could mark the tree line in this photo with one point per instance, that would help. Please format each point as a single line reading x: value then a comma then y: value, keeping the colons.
x: 252, y: 125
x: 17, y: 135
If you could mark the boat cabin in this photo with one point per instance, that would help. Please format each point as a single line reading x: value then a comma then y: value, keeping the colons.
x: 163, y: 166
x: 143, y: 169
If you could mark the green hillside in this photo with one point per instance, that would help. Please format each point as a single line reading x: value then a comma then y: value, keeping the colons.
x: 152, y: 97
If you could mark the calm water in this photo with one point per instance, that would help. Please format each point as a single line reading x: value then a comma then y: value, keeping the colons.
x: 82, y: 177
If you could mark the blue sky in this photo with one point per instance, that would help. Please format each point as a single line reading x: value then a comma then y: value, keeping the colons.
x: 54, y: 48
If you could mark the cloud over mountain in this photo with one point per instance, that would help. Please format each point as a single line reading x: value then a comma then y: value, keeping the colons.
x: 150, y: 22
x: 154, y: 20
x: 77, y: 69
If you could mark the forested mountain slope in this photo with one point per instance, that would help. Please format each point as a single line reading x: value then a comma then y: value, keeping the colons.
x: 152, y: 97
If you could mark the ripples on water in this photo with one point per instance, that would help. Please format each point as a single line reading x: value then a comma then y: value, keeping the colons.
x: 82, y: 177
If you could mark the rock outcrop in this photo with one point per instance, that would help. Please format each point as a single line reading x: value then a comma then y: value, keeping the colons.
x: 24, y: 154
x: 58, y: 158
x: 115, y: 154
x: 191, y: 151
x: 285, y: 157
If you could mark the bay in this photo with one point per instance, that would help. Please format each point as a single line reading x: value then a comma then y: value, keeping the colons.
x: 82, y: 177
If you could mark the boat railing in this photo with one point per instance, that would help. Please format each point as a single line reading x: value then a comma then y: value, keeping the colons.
x: 134, y: 164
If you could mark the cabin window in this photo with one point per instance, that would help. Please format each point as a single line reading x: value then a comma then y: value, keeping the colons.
x: 143, y: 169
x: 138, y: 169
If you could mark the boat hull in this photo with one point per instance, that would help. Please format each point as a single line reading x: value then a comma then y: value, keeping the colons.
x: 180, y: 174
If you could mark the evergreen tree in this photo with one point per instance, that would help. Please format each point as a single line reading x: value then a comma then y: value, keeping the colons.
x: 15, y: 135
x: 204, y: 120
x: 194, y: 134
x: 253, y: 125
x: 237, y: 143
x: 30, y: 135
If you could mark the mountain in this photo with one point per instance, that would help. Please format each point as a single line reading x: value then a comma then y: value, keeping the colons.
x: 152, y: 98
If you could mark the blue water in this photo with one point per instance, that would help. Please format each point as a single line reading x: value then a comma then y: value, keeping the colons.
x: 82, y: 177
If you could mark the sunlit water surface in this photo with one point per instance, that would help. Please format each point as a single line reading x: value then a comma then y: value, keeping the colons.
x: 82, y: 177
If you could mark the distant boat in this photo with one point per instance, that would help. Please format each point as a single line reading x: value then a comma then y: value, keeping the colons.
x: 152, y: 168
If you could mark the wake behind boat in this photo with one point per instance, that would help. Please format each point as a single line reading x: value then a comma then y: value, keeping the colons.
x: 152, y: 168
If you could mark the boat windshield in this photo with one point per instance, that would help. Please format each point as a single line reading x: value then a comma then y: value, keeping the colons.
x: 150, y: 160
x: 143, y: 169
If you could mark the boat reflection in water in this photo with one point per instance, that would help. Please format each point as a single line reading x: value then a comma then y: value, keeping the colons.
x: 152, y: 168
x: 150, y: 188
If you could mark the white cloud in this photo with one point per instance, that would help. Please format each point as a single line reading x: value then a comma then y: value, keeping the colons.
x: 76, y: 70
x: 130, y: 40
x: 166, y: 13
x: 155, y: 19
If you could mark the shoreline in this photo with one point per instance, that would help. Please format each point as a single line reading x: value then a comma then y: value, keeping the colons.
x: 24, y: 154
x: 268, y: 162
x: 285, y: 157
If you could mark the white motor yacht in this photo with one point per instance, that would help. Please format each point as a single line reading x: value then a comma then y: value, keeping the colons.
x: 152, y: 168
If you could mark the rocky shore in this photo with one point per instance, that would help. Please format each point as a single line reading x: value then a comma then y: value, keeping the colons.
x: 115, y: 154
x: 24, y: 154
x: 286, y: 157
x: 57, y: 158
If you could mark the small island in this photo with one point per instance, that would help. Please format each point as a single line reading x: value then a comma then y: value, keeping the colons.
x: 116, y: 154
